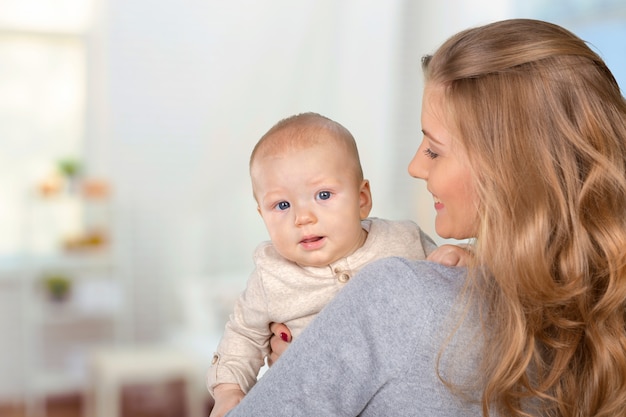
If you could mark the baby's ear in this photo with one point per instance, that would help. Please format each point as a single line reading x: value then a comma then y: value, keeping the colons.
x: 365, y: 199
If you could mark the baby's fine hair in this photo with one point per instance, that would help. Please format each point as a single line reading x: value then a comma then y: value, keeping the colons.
x: 302, y: 129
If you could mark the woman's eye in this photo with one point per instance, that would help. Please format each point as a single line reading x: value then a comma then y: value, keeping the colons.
x: 324, y: 195
x: 283, y: 205
x: 430, y: 154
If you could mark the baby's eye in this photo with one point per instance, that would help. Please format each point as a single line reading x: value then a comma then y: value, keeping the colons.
x: 430, y: 154
x: 283, y: 205
x: 324, y: 195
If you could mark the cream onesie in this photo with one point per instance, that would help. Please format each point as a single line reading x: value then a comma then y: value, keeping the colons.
x: 282, y: 291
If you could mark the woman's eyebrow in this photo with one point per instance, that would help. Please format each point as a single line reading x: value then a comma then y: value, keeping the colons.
x: 431, y: 137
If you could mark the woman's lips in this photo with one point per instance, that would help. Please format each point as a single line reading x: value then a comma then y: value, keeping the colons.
x: 438, y: 204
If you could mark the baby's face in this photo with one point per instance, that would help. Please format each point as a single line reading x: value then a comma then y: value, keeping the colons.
x: 312, y: 203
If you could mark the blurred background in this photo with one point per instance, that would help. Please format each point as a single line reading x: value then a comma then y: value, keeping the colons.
x: 127, y: 223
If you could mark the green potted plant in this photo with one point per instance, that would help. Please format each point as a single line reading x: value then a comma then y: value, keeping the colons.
x: 57, y: 286
x: 71, y: 169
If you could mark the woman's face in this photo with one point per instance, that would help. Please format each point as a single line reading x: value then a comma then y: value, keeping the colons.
x: 442, y: 163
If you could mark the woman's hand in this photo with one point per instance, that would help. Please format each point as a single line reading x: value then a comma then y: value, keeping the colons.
x: 279, y: 342
x: 451, y: 255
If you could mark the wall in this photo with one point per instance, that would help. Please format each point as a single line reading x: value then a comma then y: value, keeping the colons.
x: 190, y: 87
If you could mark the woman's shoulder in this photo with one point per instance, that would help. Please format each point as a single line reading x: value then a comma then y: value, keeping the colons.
x: 400, y: 271
x: 422, y: 285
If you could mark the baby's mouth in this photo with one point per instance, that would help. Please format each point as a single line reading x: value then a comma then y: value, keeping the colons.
x: 310, y: 239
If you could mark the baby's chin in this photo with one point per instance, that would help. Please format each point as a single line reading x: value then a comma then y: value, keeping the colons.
x: 321, y: 263
x: 318, y: 258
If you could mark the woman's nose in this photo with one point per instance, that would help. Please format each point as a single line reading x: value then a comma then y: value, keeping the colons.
x: 418, y: 167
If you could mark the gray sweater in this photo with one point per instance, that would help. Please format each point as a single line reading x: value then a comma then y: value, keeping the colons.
x: 373, y: 350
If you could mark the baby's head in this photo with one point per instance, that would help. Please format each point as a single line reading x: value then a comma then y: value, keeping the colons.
x: 302, y: 131
x: 309, y: 188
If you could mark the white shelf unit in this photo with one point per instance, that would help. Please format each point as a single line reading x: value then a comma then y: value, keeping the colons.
x: 57, y: 336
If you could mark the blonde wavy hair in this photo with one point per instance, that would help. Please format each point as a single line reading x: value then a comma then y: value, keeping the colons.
x: 544, y: 125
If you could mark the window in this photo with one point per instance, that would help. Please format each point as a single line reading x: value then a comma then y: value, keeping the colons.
x: 601, y: 23
x: 42, y: 105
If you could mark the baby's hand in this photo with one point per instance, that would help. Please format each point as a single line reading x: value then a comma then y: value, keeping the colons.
x: 227, y: 396
x: 451, y: 255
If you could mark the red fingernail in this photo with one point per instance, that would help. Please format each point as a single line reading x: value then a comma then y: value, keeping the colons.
x: 284, y: 336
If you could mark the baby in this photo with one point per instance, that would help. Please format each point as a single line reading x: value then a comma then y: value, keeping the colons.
x: 308, y: 183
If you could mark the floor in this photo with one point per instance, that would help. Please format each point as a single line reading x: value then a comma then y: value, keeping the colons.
x: 165, y: 400
x: 69, y: 406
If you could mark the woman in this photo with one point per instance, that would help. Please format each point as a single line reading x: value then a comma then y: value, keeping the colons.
x: 524, y: 151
